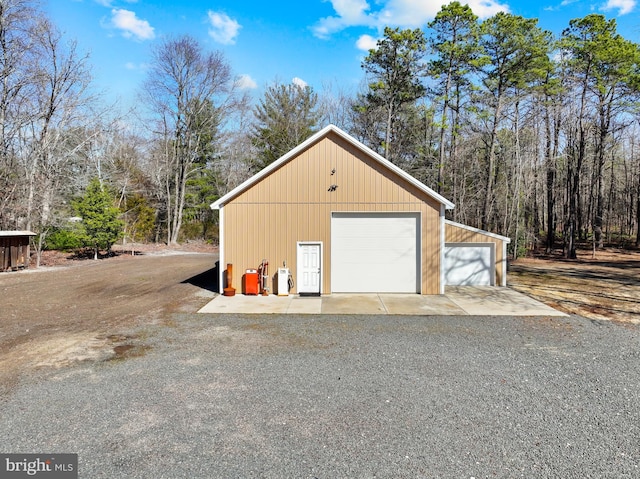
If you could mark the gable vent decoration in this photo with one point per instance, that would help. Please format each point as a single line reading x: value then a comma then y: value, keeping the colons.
x: 333, y: 187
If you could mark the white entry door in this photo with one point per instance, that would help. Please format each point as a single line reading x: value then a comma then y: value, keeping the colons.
x: 309, y: 270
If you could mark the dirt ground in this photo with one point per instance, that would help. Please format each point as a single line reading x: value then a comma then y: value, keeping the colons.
x: 85, y: 310
x: 72, y: 310
x: 605, y: 287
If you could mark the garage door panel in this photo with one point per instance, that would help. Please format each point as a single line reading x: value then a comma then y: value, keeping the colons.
x: 374, y: 252
x: 469, y: 264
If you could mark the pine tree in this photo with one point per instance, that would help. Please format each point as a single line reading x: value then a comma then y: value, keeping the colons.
x: 101, y: 225
x: 285, y: 117
x: 456, y: 53
x: 516, y: 55
x: 395, y: 69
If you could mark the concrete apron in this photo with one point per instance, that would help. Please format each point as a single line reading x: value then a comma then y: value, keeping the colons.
x: 458, y: 300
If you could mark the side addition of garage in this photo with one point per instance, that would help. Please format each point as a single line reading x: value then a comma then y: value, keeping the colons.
x: 474, y: 257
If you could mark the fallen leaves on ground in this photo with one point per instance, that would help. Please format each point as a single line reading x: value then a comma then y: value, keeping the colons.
x: 606, y: 286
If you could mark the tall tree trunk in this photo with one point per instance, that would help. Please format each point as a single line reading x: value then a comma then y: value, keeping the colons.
x: 605, y: 124
x: 638, y: 211
x: 610, y: 201
x: 387, y: 140
x: 518, y: 179
x: 44, y: 217
x: 491, y: 160
x: 181, y: 189
x: 575, y: 209
x: 551, y: 153
x: 169, y: 197
x: 575, y: 213
x: 453, y: 155
x: 443, y: 129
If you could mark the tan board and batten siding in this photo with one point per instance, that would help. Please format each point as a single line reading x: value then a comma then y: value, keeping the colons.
x: 293, y: 204
x: 457, y: 233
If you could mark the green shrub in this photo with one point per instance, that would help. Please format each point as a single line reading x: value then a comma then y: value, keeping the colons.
x: 191, y: 231
x: 63, y: 240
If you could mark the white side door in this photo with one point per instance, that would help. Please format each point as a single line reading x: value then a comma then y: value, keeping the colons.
x: 309, y: 270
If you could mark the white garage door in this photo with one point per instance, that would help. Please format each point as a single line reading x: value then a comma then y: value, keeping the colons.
x: 469, y: 264
x: 375, y: 253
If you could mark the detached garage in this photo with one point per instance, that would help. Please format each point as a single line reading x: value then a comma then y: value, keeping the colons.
x: 342, y: 218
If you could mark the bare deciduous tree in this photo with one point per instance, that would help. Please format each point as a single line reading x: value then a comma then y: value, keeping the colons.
x: 184, y: 83
x: 17, y: 22
x: 61, y: 78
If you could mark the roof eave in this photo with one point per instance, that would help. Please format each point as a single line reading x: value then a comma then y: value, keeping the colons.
x: 506, y: 239
x: 7, y: 234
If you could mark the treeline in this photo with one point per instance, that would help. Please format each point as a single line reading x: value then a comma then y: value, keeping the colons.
x: 532, y: 136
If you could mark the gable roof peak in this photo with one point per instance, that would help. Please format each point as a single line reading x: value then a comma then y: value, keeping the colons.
x: 330, y: 128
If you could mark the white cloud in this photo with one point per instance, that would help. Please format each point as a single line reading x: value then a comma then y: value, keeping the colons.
x: 400, y: 13
x: 487, y: 8
x: 366, y: 43
x: 350, y: 9
x: 623, y: 6
x: 299, y: 82
x: 245, y: 82
x: 136, y: 66
x: 408, y: 13
x: 109, y: 3
x: 349, y: 13
x: 131, y: 25
x: 223, y: 28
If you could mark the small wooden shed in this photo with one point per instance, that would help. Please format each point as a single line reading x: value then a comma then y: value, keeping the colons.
x: 14, y: 249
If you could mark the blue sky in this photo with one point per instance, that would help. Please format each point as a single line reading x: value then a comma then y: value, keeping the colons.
x: 317, y: 42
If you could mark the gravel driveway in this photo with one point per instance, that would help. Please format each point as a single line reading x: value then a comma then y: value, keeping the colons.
x: 213, y: 396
